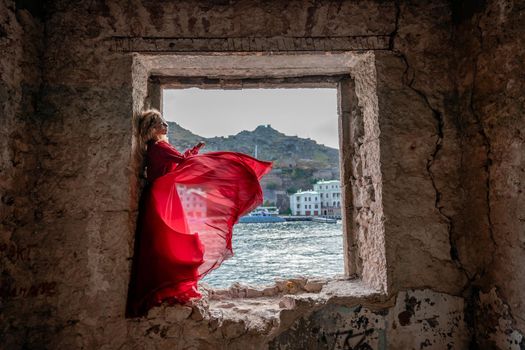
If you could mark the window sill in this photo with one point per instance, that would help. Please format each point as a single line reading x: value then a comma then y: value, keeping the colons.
x: 265, y: 310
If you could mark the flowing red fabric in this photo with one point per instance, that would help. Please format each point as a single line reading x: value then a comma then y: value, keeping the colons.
x: 186, y: 220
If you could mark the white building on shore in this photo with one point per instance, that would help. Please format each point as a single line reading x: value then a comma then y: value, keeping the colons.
x: 330, y: 195
x: 305, y: 203
x: 329, y: 192
x: 323, y: 200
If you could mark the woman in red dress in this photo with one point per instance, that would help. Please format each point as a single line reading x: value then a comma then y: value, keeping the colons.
x: 188, y: 210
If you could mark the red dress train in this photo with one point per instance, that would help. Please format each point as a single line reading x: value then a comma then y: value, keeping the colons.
x: 185, y: 224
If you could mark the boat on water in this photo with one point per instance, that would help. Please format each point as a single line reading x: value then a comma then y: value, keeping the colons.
x: 325, y: 220
x: 262, y: 215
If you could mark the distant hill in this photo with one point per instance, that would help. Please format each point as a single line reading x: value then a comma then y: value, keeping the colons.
x: 271, y: 145
x: 182, y: 138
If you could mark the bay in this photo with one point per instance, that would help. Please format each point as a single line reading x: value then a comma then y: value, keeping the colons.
x: 266, y: 251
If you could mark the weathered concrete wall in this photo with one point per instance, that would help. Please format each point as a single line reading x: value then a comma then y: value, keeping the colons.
x: 412, y: 320
x: 419, y: 150
x: 450, y: 150
x: 21, y: 43
x: 417, y: 320
x: 491, y: 88
x: 85, y: 182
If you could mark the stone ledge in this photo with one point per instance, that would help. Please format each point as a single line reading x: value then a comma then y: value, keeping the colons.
x: 264, y: 310
x: 343, y: 311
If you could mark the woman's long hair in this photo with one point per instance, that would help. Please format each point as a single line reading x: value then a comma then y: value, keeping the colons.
x: 147, y: 122
x: 148, y: 119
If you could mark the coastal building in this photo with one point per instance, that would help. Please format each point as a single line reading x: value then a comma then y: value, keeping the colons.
x: 323, y: 200
x: 305, y: 203
x: 330, y: 195
x: 329, y: 191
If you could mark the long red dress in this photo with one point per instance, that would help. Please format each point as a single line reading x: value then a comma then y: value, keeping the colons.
x: 186, y: 220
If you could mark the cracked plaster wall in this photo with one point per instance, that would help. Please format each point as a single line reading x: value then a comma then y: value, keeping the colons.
x: 441, y: 206
x: 417, y: 320
x: 419, y: 147
x: 492, y: 106
x: 21, y: 43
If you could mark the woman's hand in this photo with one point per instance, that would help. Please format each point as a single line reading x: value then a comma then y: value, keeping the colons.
x: 197, y: 148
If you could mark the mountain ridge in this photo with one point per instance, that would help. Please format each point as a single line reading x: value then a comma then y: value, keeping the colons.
x: 271, y: 144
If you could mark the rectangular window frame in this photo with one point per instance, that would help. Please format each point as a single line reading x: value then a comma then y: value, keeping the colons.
x: 354, y: 76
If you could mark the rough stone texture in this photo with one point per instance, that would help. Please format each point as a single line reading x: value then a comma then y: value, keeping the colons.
x: 419, y: 319
x: 419, y: 150
x: 20, y: 73
x: 492, y: 105
x: 359, y: 134
x: 497, y: 325
x: 442, y: 178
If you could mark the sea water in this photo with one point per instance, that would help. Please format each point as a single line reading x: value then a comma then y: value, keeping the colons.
x: 264, y: 252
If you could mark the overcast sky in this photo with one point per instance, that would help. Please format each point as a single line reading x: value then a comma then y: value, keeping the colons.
x: 303, y: 112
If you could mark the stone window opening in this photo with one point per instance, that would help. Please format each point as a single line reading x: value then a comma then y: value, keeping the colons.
x: 353, y: 74
x: 179, y: 106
